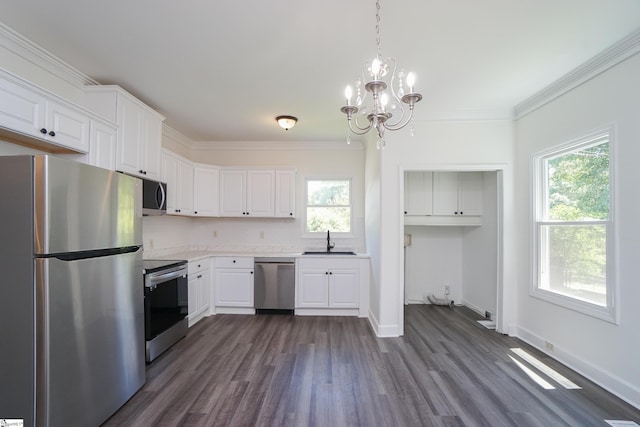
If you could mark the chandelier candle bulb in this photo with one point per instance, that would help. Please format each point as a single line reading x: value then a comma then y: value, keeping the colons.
x: 411, y: 80
x: 348, y: 93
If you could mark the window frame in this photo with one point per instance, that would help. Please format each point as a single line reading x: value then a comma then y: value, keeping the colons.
x: 539, y: 193
x: 308, y: 234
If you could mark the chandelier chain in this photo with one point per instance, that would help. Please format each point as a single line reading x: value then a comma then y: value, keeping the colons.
x: 378, y: 29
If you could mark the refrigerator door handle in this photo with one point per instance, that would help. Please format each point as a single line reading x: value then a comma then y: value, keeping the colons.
x: 42, y: 341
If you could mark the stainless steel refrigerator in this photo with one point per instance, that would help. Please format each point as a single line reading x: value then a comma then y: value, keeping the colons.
x: 71, y: 291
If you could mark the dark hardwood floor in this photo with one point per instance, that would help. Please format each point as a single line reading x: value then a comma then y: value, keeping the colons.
x: 277, y: 370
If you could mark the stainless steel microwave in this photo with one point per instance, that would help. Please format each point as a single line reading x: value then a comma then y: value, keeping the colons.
x: 154, y: 197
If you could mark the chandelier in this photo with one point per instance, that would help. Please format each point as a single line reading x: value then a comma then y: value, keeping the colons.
x: 390, y: 88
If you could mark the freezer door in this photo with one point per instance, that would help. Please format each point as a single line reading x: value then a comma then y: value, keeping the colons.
x: 79, y: 207
x: 90, y: 337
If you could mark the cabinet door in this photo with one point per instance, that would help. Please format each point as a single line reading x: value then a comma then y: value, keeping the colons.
x: 234, y: 287
x: 21, y: 110
x: 470, y: 187
x: 170, y: 176
x: 344, y: 288
x: 285, y: 193
x: 418, y: 189
x: 205, y: 190
x: 185, y: 187
x: 204, y: 293
x: 232, y: 192
x: 151, y: 146
x: 67, y: 126
x: 102, y: 145
x: 192, y: 291
x: 313, y: 288
x: 260, y: 193
x: 445, y: 193
x: 130, y: 120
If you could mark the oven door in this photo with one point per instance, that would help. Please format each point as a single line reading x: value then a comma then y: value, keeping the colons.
x: 165, y: 300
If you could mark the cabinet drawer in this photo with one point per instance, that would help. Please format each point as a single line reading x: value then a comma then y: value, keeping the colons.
x: 234, y: 262
x: 198, y: 266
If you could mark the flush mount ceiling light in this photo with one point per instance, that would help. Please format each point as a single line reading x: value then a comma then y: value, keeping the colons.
x: 387, y: 111
x: 287, y: 122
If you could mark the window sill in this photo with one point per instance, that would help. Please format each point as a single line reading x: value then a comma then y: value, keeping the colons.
x: 608, y: 314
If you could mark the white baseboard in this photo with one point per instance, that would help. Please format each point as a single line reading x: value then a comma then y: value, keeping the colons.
x: 610, y: 382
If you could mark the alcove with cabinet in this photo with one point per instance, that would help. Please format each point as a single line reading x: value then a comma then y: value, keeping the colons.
x: 455, y: 247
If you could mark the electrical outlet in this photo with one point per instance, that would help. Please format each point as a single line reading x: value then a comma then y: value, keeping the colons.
x: 150, y: 243
x: 447, y: 289
x: 262, y: 234
x: 215, y: 234
x: 548, y: 346
x: 487, y: 314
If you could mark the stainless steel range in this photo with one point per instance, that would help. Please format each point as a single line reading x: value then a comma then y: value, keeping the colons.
x: 166, y: 304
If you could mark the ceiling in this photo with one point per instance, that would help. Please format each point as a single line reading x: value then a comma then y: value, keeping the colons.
x: 222, y: 70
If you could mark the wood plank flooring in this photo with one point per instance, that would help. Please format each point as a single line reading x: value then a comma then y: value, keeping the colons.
x: 278, y: 370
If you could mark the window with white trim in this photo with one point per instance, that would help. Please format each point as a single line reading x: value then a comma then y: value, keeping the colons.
x: 328, y: 206
x: 574, y: 227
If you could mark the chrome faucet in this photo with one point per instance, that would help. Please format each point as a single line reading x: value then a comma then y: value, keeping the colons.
x: 329, y: 244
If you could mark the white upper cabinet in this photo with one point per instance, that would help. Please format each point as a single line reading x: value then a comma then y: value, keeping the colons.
x: 206, y: 190
x: 139, y: 129
x: 285, y: 193
x: 233, y: 192
x: 35, y: 113
x: 177, y: 172
x: 102, y: 145
x: 418, y: 189
x: 257, y: 192
x: 457, y: 193
x: 260, y: 193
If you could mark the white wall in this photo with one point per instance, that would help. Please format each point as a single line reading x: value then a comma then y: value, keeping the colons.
x: 480, y: 253
x: 606, y: 352
x: 436, y: 146
x: 433, y: 261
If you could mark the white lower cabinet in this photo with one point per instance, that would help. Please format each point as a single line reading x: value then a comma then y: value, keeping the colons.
x: 234, y: 284
x: 328, y: 282
x: 199, y: 290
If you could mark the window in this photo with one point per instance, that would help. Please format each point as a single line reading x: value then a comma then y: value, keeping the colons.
x: 574, y: 228
x: 328, y: 206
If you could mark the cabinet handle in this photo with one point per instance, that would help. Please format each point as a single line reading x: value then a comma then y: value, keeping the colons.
x: 331, y: 272
x: 252, y: 272
x: 460, y: 212
x: 52, y: 133
x: 326, y: 272
x: 43, y: 130
x: 199, y: 275
x: 291, y: 213
x: 234, y: 261
x: 195, y: 212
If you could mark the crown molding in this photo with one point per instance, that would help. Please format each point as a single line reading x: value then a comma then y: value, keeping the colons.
x: 274, y: 145
x: 466, y: 115
x: 28, y: 50
x: 605, y: 60
x: 177, y: 137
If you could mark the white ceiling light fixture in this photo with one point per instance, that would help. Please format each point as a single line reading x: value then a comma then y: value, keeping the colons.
x: 388, y: 111
x: 287, y: 122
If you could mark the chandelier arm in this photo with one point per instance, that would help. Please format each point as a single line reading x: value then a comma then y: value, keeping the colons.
x: 358, y: 130
x: 357, y: 124
x: 398, y: 126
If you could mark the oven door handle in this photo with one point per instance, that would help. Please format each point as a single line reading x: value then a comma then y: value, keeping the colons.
x: 152, y: 281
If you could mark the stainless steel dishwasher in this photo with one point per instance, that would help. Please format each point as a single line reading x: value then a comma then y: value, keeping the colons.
x: 274, y: 285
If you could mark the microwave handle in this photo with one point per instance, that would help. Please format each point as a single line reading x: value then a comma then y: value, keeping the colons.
x: 162, y: 196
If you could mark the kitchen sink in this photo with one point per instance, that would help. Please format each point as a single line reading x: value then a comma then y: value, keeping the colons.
x: 328, y: 253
